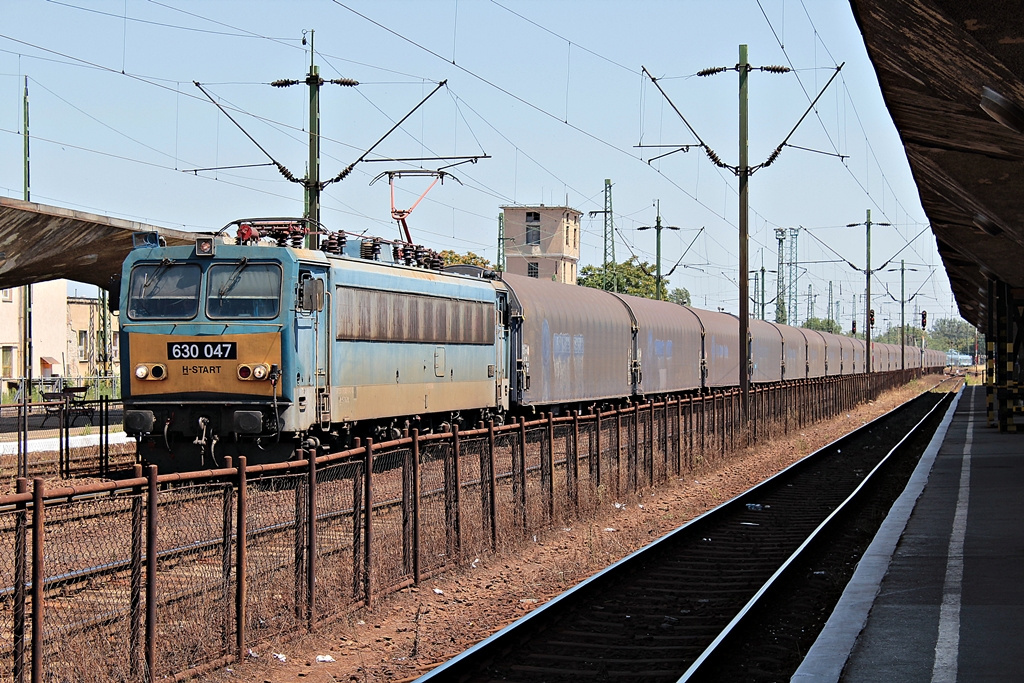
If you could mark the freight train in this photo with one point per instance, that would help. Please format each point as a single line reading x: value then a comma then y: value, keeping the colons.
x: 258, y: 346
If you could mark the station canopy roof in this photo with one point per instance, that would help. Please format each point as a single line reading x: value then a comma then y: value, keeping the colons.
x: 952, y: 76
x: 40, y: 243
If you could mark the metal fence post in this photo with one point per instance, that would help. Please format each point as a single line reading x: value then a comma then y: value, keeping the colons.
x: 227, y: 527
x: 311, y: 543
x: 520, y: 477
x: 368, y: 525
x: 416, y: 506
x: 241, y: 558
x: 491, y: 505
x: 301, y: 517
x: 407, y: 508
x: 547, y: 467
x: 151, y: 567
x: 20, y: 572
x: 618, y: 450
x: 487, y: 485
x: 572, y: 472
x: 453, y: 497
x: 135, y: 583
x: 38, y: 576
x: 358, y: 487
x: 23, y: 429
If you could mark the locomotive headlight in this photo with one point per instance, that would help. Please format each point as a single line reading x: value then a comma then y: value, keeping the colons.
x: 257, y: 372
x: 154, y: 371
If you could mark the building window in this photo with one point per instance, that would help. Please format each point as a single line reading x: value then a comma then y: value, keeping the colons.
x: 533, y: 227
x: 83, y: 345
x: 7, y: 367
x: 115, y: 348
x: 7, y: 294
x: 532, y: 269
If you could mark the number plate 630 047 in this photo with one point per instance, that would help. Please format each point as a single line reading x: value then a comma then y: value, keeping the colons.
x: 201, y: 351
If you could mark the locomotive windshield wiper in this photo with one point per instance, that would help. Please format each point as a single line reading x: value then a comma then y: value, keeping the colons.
x: 234, y: 278
x: 152, y: 279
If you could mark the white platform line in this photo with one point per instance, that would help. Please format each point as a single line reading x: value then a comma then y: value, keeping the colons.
x: 947, y: 647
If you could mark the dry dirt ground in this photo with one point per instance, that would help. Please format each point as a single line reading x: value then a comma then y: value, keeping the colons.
x: 406, y: 634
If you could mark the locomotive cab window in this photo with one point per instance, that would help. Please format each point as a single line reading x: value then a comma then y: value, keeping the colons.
x: 165, y: 290
x: 243, y: 290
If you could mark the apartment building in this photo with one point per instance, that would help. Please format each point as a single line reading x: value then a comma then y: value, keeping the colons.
x: 68, y: 335
x: 542, y: 241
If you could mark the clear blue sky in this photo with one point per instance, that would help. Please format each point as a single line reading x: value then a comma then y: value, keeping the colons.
x: 551, y: 91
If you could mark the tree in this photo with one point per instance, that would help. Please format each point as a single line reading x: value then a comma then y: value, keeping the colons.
x: 822, y: 325
x: 634, y: 277
x: 952, y: 333
x: 680, y: 295
x: 780, y: 312
x: 452, y: 258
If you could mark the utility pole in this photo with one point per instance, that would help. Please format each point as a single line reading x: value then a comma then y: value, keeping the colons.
x: 26, y: 290
x: 658, y: 227
x: 903, y: 302
x: 794, y: 275
x: 762, y: 289
x: 867, y: 277
x: 501, y: 242
x: 743, y: 171
x: 744, y: 177
x: 780, y: 296
x: 609, y: 275
x: 810, y: 302
x: 829, y: 317
x: 311, y: 182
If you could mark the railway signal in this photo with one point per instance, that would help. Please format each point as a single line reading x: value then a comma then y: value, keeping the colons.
x: 924, y: 320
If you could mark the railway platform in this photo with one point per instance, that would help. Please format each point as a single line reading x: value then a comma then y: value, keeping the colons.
x: 939, y: 595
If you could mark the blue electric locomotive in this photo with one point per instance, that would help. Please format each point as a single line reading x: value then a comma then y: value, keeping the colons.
x: 254, y: 349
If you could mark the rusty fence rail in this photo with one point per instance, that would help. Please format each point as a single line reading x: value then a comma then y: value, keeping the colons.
x: 167, y: 575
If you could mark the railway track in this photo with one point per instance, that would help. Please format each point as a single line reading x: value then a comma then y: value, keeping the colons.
x: 725, y: 597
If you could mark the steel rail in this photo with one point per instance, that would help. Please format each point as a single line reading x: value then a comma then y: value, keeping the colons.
x: 466, y: 663
x: 819, y: 531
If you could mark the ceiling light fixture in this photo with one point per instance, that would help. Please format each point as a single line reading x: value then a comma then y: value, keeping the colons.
x: 987, y: 225
x: 1002, y: 109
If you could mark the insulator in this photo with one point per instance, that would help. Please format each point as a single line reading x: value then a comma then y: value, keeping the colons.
x: 284, y: 83
x: 776, y: 69
x: 773, y: 156
x: 366, y: 250
x: 435, y: 262
x: 342, y: 241
x: 396, y: 253
x: 330, y: 244
x: 714, y: 157
x: 296, y: 239
x: 376, y: 248
x: 344, y: 81
x: 409, y: 253
x: 712, y: 71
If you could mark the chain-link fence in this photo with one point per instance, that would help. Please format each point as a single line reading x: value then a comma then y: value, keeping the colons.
x: 152, y: 576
